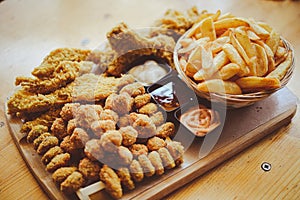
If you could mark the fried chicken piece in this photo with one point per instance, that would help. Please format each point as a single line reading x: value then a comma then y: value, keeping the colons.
x: 156, y: 162
x: 133, y: 89
x: 165, y: 130
x: 51, y: 61
x: 39, y: 139
x: 176, y: 150
x: 142, y: 100
x: 112, y: 182
x: 101, y: 126
x: 136, y: 171
x: 146, y: 165
x: 68, y: 146
x: 79, y: 137
x: 111, y: 140
x: 35, y: 132
x: 125, y: 79
x: 72, y: 183
x: 130, y: 45
x: 51, y: 153
x: 125, y: 177
x: 46, y: 144
x: 167, y: 159
x: 65, y: 72
x: 120, y: 103
x: 138, y: 149
x: 148, y: 109
x: 62, y: 173
x: 157, y: 118
x: 129, y: 135
x: 87, y: 114
x: 144, y: 126
x: 60, y: 160
x: 125, y: 155
x: 89, y: 169
x: 155, y: 143
x: 102, y: 59
x: 93, y: 150
x: 108, y: 114
x: 67, y: 112
x: 59, y: 128
x: 71, y: 126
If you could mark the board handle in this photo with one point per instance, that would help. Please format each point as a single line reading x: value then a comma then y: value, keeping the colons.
x: 84, y: 193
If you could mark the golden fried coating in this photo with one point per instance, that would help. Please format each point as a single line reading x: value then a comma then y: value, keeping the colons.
x: 157, y: 118
x: 167, y: 159
x: 35, y: 132
x: 86, y: 114
x: 102, y: 59
x: 89, y: 169
x: 111, y: 140
x: 108, y: 114
x: 125, y: 79
x: 51, y: 153
x: 138, y: 149
x: 93, y: 150
x: 79, y: 137
x: 165, y: 130
x: 60, y: 160
x: 67, y: 112
x: 156, y: 162
x: 148, y: 109
x: 147, y: 166
x: 59, y: 128
x: 176, y: 150
x: 68, y: 146
x: 125, y: 177
x: 39, y: 139
x: 144, y: 126
x: 62, y: 173
x: 112, y: 182
x: 71, y: 126
x: 129, y: 135
x: 121, y: 104
x: 46, y: 144
x: 136, y: 171
x: 155, y: 143
x: 101, y: 126
x: 142, y: 100
x: 72, y: 183
x: 125, y: 155
x: 133, y: 89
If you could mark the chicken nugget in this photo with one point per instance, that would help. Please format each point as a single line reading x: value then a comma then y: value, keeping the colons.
x: 165, y: 130
x: 133, y: 89
x: 157, y: 118
x: 79, y: 137
x: 148, y: 109
x: 111, y: 140
x: 144, y: 126
x: 51, y: 153
x: 108, y: 114
x: 125, y: 156
x: 156, y: 162
x: 101, y: 126
x: 176, y: 150
x: 136, y: 171
x: 39, y: 139
x: 138, y: 149
x: 125, y: 177
x: 59, y: 128
x: 68, y: 111
x: 112, y: 182
x: 62, y: 173
x: 68, y: 146
x: 142, y: 100
x: 35, y: 132
x: 125, y: 79
x: 93, y: 150
x: 86, y: 114
x: 89, y: 169
x: 129, y: 135
x: 71, y: 126
x: 166, y: 158
x: 120, y: 103
x: 46, y: 144
x: 147, y: 166
x: 60, y: 160
x: 155, y: 143
x: 72, y: 183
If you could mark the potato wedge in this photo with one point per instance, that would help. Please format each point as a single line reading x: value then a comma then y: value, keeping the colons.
x: 270, y: 56
x: 245, y: 42
x: 207, y: 29
x: 236, y: 44
x: 273, y: 41
x: 255, y: 84
x: 282, y: 69
x: 235, y: 57
x: 217, y: 44
x: 262, y: 61
x: 261, y: 32
x: 219, y: 86
x: 228, y: 71
x: 230, y: 23
x: 220, y: 60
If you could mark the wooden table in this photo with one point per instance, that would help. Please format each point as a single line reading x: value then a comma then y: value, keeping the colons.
x: 30, y: 29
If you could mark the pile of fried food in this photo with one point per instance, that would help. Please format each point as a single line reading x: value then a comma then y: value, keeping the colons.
x: 90, y: 121
x: 233, y: 55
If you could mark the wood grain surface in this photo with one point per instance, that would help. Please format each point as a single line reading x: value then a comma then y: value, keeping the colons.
x: 30, y: 29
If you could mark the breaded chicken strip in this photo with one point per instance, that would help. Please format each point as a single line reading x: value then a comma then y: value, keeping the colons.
x: 89, y: 169
x: 60, y: 160
x: 72, y: 183
x: 112, y: 182
x: 129, y: 135
x: 62, y: 173
x: 125, y: 177
x: 136, y: 171
x: 51, y: 153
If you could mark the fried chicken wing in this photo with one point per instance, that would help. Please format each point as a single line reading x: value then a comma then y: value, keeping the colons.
x: 112, y: 182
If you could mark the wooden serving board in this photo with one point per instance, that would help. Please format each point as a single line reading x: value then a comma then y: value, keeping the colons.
x: 242, y: 128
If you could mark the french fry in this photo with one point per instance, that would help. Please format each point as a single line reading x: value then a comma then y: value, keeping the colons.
x: 219, y: 86
x: 220, y: 60
x: 261, y: 32
x: 245, y: 42
x: 230, y: 23
x: 217, y: 44
x: 281, y: 51
x: 228, y: 71
x: 214, y: 17
x: 266, y: 26
x: 282, y: 69
x: 200, y: 76
x: 273, y: 41
x: 207, y: 29
x: 252, y: 35
x: 252, y: 66
x: 255, y: 84
x: 235, y: 57
x: 262, y: 61
x: 239, y: 48
x: 270, y: 56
